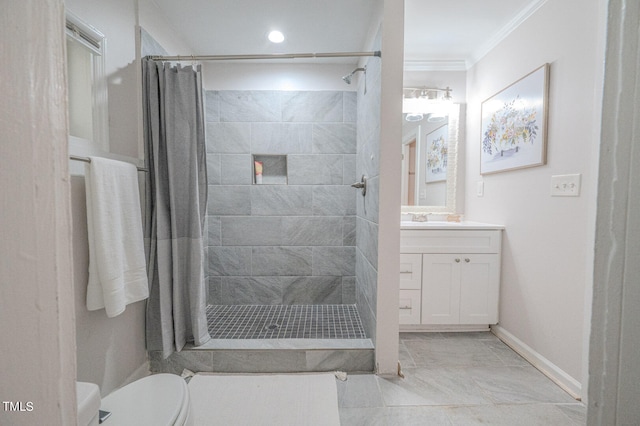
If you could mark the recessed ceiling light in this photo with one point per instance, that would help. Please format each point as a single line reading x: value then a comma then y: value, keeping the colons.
x: 276, y: 37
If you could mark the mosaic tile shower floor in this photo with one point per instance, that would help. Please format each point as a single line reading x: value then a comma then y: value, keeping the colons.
x: 284, y: 322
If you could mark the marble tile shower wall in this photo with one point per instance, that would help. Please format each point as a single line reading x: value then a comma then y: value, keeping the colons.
x: 367, y: 159
x: 281, y: 244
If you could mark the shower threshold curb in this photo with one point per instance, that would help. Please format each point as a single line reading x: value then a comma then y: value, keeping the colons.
x: 266, y: 344
x: 254, y: 357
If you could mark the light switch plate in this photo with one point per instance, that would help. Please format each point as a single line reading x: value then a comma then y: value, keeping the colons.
x: 480, y: 189
x: 565, y: 185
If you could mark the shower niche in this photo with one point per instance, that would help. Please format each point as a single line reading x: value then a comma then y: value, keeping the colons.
x: 269, y: 169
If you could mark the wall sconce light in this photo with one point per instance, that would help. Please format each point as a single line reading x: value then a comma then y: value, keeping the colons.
x: 430, y: 101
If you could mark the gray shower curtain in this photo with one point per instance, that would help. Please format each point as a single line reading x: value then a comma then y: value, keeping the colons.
x: 176, y: 200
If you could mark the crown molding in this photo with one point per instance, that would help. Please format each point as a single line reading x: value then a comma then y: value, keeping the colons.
x: 482, y: 51
x: 435, y: 65
x: 499, y: 36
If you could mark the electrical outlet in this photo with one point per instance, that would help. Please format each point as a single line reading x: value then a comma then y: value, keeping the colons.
x: 565, y: 185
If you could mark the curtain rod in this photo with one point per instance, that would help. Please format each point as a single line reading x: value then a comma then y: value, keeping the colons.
x: 262, y: 56
x: 88, y: 160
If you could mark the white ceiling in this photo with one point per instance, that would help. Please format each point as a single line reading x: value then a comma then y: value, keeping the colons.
x: 435, y: 30
x: 232, y: 27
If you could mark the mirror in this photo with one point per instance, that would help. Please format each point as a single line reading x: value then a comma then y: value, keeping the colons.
x: 430, y: 163
x: 437, y: 55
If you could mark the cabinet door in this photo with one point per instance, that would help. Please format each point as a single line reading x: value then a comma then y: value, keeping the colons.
x: 410, y: 271
x: 479, y: 289
x: 440, y: 289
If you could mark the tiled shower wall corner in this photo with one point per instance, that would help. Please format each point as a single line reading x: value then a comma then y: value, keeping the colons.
x: 368, y: 164
x: 281, y: 244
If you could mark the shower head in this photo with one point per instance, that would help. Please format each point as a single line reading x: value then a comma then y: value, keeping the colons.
x: 347, y: 78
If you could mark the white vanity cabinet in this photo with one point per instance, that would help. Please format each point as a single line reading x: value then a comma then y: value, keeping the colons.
x: 458, y: 270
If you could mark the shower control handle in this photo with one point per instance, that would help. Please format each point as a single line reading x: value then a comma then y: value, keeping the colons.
x: 361, y: 185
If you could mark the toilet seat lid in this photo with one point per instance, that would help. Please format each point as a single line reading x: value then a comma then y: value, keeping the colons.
x: 160, y: 399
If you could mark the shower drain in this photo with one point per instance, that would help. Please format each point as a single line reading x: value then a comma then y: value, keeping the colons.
x: 272, y: 327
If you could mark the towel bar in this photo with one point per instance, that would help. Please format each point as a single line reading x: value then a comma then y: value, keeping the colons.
x: 88, y: 160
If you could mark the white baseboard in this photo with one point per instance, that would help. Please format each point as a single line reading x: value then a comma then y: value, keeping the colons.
x: 546, y: 367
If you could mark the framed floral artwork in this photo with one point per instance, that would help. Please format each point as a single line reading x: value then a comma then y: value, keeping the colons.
x: 437, y: 153
x: 514, y: 125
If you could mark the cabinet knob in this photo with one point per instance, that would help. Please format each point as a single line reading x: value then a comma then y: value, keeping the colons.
x: 467, y: 260
x: 457, y: 260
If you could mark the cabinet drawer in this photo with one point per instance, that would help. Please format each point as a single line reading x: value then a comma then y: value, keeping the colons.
x: 409, y: 307
x: 410, y: 271
x: 446, y: 241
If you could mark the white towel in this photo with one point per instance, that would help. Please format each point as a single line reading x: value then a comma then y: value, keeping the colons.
x: 117, y: 268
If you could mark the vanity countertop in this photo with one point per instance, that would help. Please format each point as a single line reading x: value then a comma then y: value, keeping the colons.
x: 447, y: 225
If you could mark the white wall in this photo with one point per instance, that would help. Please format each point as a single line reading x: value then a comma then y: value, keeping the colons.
x: 153, y: 20
x: 548, y: 242
x: 390, y: 181
x: 117, y: 21
x: 37, y: 358
x: 243, y: 75
x: 111, y: 351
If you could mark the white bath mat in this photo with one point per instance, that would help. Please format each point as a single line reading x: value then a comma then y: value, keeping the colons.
x: 266, y: 400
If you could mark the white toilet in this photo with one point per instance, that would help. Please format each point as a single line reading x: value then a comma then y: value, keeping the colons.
x: 160, y: 399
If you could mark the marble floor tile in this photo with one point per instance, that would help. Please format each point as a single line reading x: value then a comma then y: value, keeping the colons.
x: 577, y: 412
x: 517, y: 385
x: 417, y: 416
x: 507, y: 355
x: 359, y: 391
x: 421, y: 336
x: 509, y: 393
x: 404, y: 356
x: 509, y: 415
x: 470, y: 335
x: 438, y: 386
x: 506, y: 390
x: 451, y: 353
x: 362, y: 416
x: 394, y: 416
